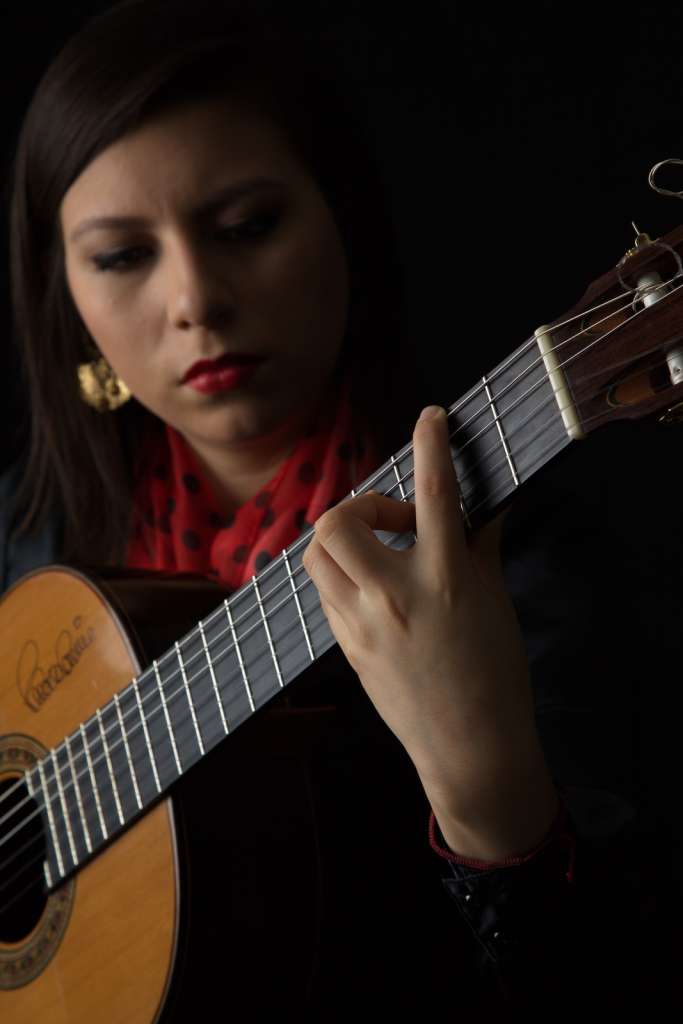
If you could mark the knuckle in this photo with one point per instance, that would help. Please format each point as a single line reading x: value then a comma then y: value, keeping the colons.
x: 392, y: 610
x: 310, y: 557
x: 363, y: 638
x: 326, y: 525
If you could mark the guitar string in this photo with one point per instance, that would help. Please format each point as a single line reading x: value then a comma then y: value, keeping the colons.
x: 396, y: 483
x: 285, y: 582
x: 127, y: 792
x: 498, y: 446
x: 487, y: 407
x: 31, y: 885
x: 179, y: 692
x: 108, y: 805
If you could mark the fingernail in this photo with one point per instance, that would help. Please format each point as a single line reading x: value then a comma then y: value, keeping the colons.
x: 430, y: 412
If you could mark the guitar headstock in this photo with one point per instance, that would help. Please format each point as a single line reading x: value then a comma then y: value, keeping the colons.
x: 620, y: 348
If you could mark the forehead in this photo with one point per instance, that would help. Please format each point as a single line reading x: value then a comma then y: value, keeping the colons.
x: 180, y: 155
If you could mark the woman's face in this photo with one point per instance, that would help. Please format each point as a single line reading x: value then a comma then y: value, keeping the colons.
x: 166, y: 268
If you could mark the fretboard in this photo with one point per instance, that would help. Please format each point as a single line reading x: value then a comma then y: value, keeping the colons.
x: 101, y: 778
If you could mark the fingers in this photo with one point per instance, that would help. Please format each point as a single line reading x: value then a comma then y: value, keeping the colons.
x: 440, y: 531
x: 333, y: 585
x: 345, y: 533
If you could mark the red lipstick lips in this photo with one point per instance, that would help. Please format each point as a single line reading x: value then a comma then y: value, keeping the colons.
x: 223, y: 374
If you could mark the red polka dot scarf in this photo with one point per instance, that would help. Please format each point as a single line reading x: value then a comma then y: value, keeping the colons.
x: 177, y: 526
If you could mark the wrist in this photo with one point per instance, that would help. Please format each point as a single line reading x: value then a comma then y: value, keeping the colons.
x: 509, y: 826
x: 495, y: 843
x: 498, y: 804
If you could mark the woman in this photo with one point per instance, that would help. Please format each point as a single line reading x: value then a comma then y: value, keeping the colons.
x: 188, y: 228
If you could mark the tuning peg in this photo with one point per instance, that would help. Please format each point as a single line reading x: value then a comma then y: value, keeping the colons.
x: 641, y: 242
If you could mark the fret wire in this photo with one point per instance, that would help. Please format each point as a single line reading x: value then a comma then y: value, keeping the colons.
x: 545, y: 426
x: 527, y: 392
x: 533, y: 341
x: 267, y: 629
x: 168, y: 720
x: 298, y: 604
x: 522, y: 350
x: 131, y: 766
x: 112, y: 776
x: 239, y: 655
x: 399, y: 481
x: 51, y: 822
x: 500, y: 430
x: 398, y: 478
x: 219, y: 700
x: 189, y: 698
x: 353, y: 492
x: 463, y: 402
x: 545, y: 451
x: 79, y: 800
x: 510, y: 408
x: 226, y: 651
x: 527, y: 419
x: 462, y: 503
x: 65, y: 812
x: 93, y: 783
x: 238, y: 649
x: 152, y: 758
x: 550, y: 400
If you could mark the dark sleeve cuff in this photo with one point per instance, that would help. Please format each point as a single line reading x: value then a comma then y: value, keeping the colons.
x: 503, y: 903
x: 561, y: 830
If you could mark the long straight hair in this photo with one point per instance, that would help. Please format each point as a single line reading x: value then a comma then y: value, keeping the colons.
x: 123, y: 67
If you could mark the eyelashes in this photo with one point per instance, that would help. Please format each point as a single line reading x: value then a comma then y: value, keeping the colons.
x: 121, y: 260
x: 251, y: 230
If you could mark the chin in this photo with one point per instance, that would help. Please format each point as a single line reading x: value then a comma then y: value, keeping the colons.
x: 242, y: 424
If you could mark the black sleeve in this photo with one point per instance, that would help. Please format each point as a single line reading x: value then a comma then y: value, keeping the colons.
x: 592, y: 555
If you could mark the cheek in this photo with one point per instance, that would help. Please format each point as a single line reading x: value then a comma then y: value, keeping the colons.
x: 118, y: 330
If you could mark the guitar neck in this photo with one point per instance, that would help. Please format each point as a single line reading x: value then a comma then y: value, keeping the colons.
x: 102, y: 777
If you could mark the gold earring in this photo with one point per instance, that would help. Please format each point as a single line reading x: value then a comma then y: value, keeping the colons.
x: 100, y: 387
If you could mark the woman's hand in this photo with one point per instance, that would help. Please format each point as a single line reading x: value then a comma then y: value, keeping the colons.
x: 435, y: 641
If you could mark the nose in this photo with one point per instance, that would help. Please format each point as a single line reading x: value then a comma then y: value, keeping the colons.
x: 199, y: 294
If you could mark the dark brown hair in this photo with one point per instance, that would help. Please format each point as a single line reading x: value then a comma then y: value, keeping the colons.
x: 121, y: 68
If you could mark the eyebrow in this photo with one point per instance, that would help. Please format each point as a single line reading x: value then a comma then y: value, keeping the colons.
x: 224, y: 197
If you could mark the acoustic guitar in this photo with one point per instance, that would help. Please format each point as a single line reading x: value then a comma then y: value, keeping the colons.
x: 107, y: 699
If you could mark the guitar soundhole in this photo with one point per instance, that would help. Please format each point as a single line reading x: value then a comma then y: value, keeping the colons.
x: 22, y: 852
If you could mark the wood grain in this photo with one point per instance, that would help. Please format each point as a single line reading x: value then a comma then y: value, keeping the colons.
x: 115, y: 960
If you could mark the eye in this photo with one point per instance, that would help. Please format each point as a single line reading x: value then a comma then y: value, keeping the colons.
x: 253, y: 227
x: 121, y: 260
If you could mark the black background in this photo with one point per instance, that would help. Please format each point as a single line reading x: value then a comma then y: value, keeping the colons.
x: 515, y: 144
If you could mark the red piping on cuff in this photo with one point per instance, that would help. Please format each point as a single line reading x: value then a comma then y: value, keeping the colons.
x: 560, y: 829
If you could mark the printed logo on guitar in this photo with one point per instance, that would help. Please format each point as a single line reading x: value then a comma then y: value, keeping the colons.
x: 37, y: 681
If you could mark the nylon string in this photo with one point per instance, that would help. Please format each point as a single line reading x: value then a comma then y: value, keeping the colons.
x: 296, y: 623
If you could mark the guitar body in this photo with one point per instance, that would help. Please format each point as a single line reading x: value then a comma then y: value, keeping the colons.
x: 158, y: 911
x: 122, y: 907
